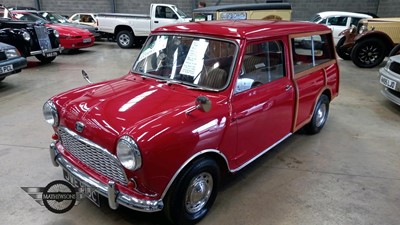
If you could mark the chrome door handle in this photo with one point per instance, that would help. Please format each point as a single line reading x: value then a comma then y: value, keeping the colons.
x: 288, y: 87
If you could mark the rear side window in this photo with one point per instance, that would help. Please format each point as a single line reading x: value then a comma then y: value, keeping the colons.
x: 310, y: 51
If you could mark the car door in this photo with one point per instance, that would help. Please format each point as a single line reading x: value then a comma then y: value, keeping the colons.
x: 263, y: 103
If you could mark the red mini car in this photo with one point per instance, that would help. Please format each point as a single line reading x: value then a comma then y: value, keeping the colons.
x: 70, y: 37
x: 203, y: 99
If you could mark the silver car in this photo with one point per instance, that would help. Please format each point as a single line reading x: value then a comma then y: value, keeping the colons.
x: 389, y: 77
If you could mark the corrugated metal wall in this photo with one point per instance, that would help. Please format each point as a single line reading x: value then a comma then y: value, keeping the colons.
x: 302, y: 9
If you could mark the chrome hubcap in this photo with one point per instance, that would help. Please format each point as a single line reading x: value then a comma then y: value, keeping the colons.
x: 321, y: 115
x: 124, y: 39
x: 198, y: 192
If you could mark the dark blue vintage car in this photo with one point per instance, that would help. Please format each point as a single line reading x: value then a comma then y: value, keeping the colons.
x: 11, y: 61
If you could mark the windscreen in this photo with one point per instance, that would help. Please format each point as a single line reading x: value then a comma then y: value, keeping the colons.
x: 194, y: 61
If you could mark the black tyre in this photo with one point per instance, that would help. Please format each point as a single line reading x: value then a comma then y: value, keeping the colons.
x: 193, y: 193
x: 395, y: 50
x: 320, y: 115
x: 342, y: 53
x: 368, y: 53
x: 125, y: 39
x: 44, y: 59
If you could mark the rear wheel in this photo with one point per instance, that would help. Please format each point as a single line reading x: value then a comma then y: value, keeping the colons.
x: 44, y: 59
x: 320, y: 115
x: 125, y: 39
x: 368, y: 53
x: 342, y: 53
x: 193, y: 193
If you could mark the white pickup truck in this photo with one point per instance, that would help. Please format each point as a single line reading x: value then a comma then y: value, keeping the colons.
x: 133, y: 29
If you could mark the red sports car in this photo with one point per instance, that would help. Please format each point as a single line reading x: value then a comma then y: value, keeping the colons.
x: 70, y: 37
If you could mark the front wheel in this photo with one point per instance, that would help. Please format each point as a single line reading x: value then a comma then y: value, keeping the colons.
x: 320, y: 115
x: 368, y: 53
x: 44, y: 59
x: 193, y: 193
x: 342, y: 53
x: 125, y: 39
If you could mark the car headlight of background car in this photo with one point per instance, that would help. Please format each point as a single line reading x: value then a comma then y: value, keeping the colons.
x: 11, y: 53
x: 50, y: 113
x: 26, y: 36
x: 128, y: 153
x: 56, y: 34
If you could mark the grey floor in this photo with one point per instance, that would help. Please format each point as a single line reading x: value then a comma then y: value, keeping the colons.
x: 347, y: 174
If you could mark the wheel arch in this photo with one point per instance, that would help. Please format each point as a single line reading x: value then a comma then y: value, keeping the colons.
x: 388, y: 42
x: 213, y: 154
x: 120, y: 28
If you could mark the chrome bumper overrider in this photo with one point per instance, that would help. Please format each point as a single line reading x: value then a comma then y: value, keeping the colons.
x: 115, y: 198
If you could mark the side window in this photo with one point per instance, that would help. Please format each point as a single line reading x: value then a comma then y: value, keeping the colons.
x: 337, y: 21
x: 165, y: 12
x: 74, y: 18
x: 310, y: 51
x: 354, y: 21
x: 262, y: 64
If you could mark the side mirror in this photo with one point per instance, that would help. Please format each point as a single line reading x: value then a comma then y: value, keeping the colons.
x: 86, y: 77
x: 202, y: 103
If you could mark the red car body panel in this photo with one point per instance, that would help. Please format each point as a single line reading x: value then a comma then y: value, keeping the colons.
x: 238, y: 129
x: 72, y: 37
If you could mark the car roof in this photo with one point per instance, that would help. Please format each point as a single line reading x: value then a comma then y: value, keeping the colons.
x: 343, y: 13
x: 245, y: 29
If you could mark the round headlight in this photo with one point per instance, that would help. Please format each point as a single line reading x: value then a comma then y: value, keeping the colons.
x: 26, y: 36
x: 50, y: 113
x: 128, y: 153
x: 12, y: 53
x: 56, y: 33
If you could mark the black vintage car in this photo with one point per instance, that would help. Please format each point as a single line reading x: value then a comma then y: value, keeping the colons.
x: 31, y: 39
x: 11, y: 61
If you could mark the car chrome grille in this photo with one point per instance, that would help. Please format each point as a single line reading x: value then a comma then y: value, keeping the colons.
x: 43, y: 37
x: 395, y: 67
x: 94, y: 156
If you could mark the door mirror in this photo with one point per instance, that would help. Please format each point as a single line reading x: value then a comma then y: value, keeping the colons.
x: 202, y: 103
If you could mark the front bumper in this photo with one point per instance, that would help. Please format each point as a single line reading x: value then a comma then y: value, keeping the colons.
x: 392, y: 95
x: 45, y: 52
x: 18, y: 63
x: 109, y: 190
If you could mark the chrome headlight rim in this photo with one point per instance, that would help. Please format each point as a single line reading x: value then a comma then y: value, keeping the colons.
x: 50, y: 113
x: 26, y: 36
x: 128, y: 153
x: 56, y: 33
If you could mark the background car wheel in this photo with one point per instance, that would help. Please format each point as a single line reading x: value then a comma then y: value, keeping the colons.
x: 193, y: 193
x: 395, y: 50
x: 44, y: 59
x: 320, y: 115
x: 125, y: 39
x: 368, y: 53
x: 342, y: 53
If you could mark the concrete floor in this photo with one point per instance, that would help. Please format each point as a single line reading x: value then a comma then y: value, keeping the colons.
x: 347, y: 174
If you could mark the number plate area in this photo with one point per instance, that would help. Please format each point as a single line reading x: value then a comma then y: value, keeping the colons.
x: 6, y: 69
x: 51, y: 54
x: 388, y: 82
x: 87, y: 191
x: 87, y: 40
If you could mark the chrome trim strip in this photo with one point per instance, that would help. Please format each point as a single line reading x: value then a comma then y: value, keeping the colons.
x: 107, y: 190
x: 221, y: 154
x: 52, y: 154
x: 262, y: 153
x: 111, y: 195
x: 43, y: 52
